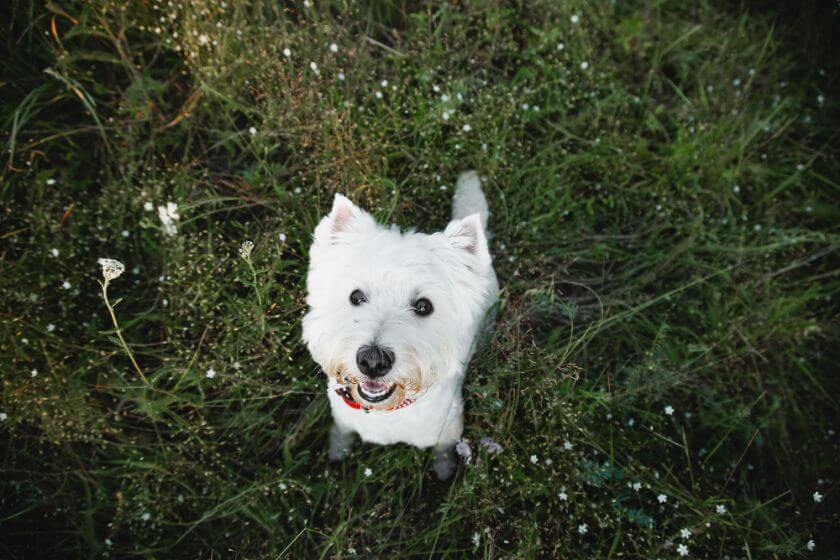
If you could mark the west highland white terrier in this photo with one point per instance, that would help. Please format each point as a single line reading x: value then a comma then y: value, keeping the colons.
x: 393, y: 320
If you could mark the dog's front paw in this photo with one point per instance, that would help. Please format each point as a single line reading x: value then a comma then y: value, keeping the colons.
x: 444, y: 464
x: 341, y: 443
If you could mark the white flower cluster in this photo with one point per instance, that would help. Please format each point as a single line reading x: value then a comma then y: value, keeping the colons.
x: 245, y: 249
x: 111, y: 268
x: 168, y: 216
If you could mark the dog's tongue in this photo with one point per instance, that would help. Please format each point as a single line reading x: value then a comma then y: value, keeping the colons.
x: 374, y: 387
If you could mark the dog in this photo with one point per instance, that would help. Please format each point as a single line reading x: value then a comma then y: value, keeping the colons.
x: 393, y: 319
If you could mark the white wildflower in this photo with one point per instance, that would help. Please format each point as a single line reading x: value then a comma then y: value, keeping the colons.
x: 810, y: 546
x: 66, y: 285
x: 669, y: 410
x: 682, y: 550
x: 51, y: 181
x: 314, y: 67
x: 252, y: 131
x: 203, y: 39
x: 111, y: 268
x: 210, y: 374
x: 817, y: 497
x: 467, y: 128
x: 341, y: 76
x: 50, y: 327
x: 560, y: 46
x: 368, y: 472
x: 574, y: 19
x: 245, y: 249
x: 287, y: 52
x: 3, y: 416
x: 168, y: 216
x: 476, y: 539
x: 720, y: 509
x: 662, y: 498
x: 146, y: 516
x: 33, y: 373
x: 637, y: 486
x: 491, y: 446
x: 563, y: 496
x: 281, y: 237
x: 583, y: 528
x: 584, y: 65
x: 534, y: 459
x: 567, y: 445
x: 148, y: 206
x: 125, y: 233
x: 54, y: 252
x: 463, y: 449
x: 333, y: 47
x: 685, y: 533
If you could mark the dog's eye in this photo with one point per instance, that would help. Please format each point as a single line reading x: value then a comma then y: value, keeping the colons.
x: 357, y: 297
x: 423, y: 307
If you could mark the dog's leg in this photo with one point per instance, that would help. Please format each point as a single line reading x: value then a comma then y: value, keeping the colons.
x: 341, y: 442
x: 444, y: 463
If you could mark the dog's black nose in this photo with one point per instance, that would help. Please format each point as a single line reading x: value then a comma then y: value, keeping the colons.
x: 374, y: 361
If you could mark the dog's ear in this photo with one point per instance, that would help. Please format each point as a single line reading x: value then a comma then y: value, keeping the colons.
x: 345, y: 217
x: 467, y: 235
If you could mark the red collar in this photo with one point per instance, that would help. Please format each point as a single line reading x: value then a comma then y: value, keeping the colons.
x: 347, y: 396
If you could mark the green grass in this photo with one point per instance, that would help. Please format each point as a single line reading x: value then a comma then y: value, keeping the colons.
x: 665, y: 232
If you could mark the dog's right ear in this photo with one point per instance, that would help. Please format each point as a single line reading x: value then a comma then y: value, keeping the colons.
x: 345, y: 217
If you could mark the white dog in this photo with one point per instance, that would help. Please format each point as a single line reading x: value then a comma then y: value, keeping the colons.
x: 392, y: 320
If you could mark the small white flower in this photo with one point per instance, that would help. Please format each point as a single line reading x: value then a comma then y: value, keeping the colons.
x: 333, y: 47
x: 476, y: 538
x: 810, y: 546
x: 33, y: 373
x: 287, y: 52
x: 51, y: 181
x: 467, y: 128
x: 463, y: 449
x: 252, y: 131
x: 445, y: 98
x: 817, y: 497
x: 720, y: 509
x: 3, y: 416
x: 445, y: 115
x: 146, y: 516
x: 682, y: 550
x: 637, y: 486
x: 50, y: 327
x: 549, y: 461
x: 203, y: 39
x: 563, y: 496
x: 168, y: 216
x: 245, y: 249
x: 662, y: 498
x: 534, y: 459
x: 584, y: 65
x: 384, y: 83
x: 125, y: 233
x: 313, y: 67
x: 685, y: 533
x: 736, y: 82
x: 583, y: 529
x: 281, y: 237
x: 378, y: 94
x: 341, y: 76
x: 560, y: 46
x: 567, y: 445
x: 282, y: 486
x: 54, y: 252
x: 66, y: 285
x: 148, y: 206
x: 821, y: 99
x: 368, y: 472
x: 491, y: 446
x: 111, y: 268
x: 736, y: 189
x: 210, y: 374
x: 574, y: 19
x: 669, y: 410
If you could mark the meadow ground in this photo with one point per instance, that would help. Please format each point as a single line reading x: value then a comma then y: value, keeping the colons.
x: 664, y: 181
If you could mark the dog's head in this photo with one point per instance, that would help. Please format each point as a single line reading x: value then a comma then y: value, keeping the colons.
x: 392, y: 313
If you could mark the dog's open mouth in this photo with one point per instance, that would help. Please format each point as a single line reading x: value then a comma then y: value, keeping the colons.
x: 375, y: 391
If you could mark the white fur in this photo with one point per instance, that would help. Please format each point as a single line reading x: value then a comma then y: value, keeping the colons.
x: 452, y: 269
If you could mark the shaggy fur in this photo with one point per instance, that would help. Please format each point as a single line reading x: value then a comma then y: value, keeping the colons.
x: 452, y: 269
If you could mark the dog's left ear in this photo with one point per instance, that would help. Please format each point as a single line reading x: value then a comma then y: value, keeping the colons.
x: 345, y: 217
x: 467, y: 235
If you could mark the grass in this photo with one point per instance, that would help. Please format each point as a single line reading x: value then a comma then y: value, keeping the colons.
x: 664, y: 183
